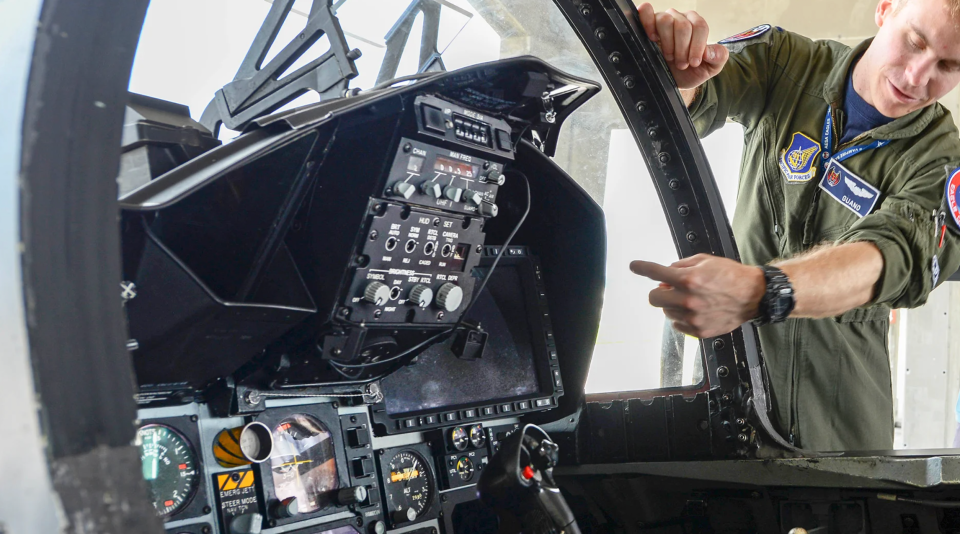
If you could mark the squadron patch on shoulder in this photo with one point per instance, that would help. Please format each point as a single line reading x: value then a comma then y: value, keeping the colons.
x: 849, y: 189
x: 749, y: 34
x: 951, y: 193
x: 796, y: 162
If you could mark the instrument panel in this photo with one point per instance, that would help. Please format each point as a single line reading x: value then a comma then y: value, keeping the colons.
x: 327, y: 469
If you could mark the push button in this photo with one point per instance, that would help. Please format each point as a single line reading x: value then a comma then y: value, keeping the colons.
x: 432, y: 118
x: 361, y: 467
x: 503, y: 141
x: 358, y: 437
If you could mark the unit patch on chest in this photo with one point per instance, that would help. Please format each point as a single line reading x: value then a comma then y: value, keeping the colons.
x: 796, y: 161
x: 849, y: 189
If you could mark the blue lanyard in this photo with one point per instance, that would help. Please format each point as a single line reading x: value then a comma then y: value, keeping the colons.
x: 846, y: 153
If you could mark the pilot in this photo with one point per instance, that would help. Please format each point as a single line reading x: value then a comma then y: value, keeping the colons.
x: 846, y: 208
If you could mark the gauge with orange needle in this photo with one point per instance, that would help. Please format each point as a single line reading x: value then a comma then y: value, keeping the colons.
x: 408, y: 486
x: 304, y: 463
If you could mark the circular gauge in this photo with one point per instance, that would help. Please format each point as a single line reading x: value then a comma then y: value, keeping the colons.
x: 304, y: 462
x: 409, y: 485
x: 477, y: 437
x: 465, y: 468
x: 169, y: 467
x: 459, y: 439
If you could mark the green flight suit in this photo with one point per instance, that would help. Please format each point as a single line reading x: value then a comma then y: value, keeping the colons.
x: 830, y: 378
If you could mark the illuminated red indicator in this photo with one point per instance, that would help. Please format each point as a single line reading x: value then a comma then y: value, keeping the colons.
x: 183, y: 466
x: 168, y: 503
x: 285, y: 426
x: 528, y: 473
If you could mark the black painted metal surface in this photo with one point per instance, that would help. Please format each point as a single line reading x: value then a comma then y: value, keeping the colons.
x: 656, y: 115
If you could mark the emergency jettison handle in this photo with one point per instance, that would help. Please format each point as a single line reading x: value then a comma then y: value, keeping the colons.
x: 519, y: 485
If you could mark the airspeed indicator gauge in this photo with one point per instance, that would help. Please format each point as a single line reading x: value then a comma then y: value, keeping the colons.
x: 169, y: 467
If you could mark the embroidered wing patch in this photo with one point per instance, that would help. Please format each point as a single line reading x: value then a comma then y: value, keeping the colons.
x: 744, y: 36
x: 796, y: 161
x: 849, y: 189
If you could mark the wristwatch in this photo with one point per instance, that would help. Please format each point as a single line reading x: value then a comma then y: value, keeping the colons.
x: 778, y: 300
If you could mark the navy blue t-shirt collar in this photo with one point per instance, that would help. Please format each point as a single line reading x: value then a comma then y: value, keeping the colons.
x: 860, y: 116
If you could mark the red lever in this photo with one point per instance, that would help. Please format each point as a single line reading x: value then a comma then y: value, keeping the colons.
x: 528, y: 473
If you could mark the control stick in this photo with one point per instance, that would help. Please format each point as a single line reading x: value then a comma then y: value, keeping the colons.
x: 518, y: 483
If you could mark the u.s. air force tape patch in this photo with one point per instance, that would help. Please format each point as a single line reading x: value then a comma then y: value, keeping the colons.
x: 849, y: 189
x: 756, y: 31
x: 796, y: 161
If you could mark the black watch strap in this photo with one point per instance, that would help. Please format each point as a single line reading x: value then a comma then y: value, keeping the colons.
x: 778, y: 300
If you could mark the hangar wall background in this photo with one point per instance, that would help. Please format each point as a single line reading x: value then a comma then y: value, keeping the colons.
x: 924, y: 342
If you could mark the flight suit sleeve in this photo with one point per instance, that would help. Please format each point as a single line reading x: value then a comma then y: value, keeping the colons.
x: 740, y: 91
x: 908, y: 230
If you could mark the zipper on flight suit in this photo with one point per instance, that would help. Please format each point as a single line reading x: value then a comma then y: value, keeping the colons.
x: 794, y: 332
x: 771, y: 197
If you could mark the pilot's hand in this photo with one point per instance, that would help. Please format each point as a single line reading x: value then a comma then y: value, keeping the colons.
x: 683, y: 40
x: 704, y: 295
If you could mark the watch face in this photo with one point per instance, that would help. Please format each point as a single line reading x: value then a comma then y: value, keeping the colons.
x: 782, y: 304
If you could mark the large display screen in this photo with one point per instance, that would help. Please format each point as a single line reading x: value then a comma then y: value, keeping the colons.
x: 506, y: 370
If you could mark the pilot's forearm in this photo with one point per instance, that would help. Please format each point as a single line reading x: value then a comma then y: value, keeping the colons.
x: 689, y: 95
x: 832, y: 280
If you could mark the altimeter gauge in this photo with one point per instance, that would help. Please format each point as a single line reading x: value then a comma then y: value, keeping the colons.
x: 409, y: 486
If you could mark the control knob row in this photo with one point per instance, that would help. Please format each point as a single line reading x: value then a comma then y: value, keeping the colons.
x: 453, y: 193
x: 449, y: 296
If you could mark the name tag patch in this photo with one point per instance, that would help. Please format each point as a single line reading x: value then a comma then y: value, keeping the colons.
x: 848, y: 189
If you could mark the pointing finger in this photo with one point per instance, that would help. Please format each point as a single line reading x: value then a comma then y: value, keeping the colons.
x: 655, y: 271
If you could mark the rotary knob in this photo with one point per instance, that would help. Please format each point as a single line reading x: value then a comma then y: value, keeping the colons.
x: 403, y: 189
x: 449, y: 297
x: 286, y: 508
x: 496, y: 177
x: 376, y: 293
x: 431, y: 188
x: 404, y: 516
x: 488, y: 209
x: 352, y: 495
x: 453, y: 192
x: 473, y: 197
x: 421, y: 295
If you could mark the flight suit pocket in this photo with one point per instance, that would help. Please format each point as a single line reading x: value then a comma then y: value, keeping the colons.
x: 862, y: 315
